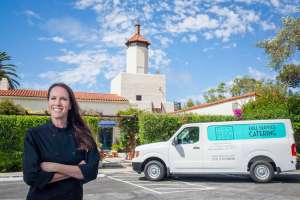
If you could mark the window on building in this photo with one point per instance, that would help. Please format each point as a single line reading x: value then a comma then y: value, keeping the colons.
x: 139, y: 97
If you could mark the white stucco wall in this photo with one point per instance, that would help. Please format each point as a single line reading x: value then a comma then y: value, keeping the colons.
x: 222, y: 108
x: 152, y: 88
x: 40, y: 105
x: 137, y: 59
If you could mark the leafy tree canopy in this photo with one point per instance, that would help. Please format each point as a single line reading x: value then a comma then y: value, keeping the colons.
x: 244, y: 85
x: 214, y: 94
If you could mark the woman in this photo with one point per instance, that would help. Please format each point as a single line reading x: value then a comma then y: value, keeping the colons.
x: 61, y: 155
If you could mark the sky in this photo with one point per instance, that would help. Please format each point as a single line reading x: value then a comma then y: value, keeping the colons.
x: 197, y: 44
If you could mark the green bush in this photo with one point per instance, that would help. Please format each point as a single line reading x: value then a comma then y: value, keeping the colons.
x: 160, y: 127
x: 12, y: 132
x: 7, y: 107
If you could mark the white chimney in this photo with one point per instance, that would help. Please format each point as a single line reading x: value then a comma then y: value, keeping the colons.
x: 4, y: 84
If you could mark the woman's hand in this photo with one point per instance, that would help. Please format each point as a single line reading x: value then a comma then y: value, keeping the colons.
x: 82, y: 162
x: 49, y: 166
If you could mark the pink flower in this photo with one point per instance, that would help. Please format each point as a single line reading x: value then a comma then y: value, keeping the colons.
x: 238, y: 113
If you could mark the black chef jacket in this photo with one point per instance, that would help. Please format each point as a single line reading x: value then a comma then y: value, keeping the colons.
x: 48, y: 143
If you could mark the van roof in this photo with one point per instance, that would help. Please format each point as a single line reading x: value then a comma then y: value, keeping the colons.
x: 240, y: 122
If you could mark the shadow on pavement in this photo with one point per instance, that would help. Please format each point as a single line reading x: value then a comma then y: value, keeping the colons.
x: 229, y: 178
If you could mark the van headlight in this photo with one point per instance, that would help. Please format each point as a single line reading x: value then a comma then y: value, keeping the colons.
x: 136, y: 154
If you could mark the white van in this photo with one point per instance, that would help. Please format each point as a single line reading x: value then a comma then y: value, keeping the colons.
x: 260, y: 147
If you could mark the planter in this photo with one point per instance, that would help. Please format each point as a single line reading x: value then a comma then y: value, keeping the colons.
x: 114, y: 154
x: 130, y: 155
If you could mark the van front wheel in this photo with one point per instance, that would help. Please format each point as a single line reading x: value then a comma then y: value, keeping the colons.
x: 154, y: 170
x: 261, y: 171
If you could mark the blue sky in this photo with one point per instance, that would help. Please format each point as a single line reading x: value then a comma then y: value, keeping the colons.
x: 196, y: 43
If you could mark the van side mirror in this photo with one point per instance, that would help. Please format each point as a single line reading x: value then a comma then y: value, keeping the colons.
x: 175, y: 141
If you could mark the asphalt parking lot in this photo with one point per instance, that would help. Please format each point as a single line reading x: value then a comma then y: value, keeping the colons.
x: 129, y: 185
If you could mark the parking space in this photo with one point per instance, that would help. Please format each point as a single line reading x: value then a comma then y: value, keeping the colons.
x: 161, y: 187
x: 128, y: 185
x: 216, y: 186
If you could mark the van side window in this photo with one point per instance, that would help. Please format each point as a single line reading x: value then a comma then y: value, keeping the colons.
x: 188, y: 135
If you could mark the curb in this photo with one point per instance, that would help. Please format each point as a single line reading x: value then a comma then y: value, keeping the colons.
x: 106, y: 167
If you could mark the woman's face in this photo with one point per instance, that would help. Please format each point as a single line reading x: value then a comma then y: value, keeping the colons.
x: 59, y: 103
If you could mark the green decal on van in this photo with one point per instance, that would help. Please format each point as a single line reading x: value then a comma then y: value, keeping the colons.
x: 246, y: 131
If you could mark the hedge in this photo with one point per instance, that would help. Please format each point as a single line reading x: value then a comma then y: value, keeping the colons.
x: 12, y: 132
x: 160, y: 127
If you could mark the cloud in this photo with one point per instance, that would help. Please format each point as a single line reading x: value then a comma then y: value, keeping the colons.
x: 275, y: 3
x: 71, y: 28
x: 83, y: 4
x: 229, y: 46
x: 234, y: 21
x: 258, y: 75
x: 190, y: 38
x: 268, y: 25
x: 164, y: 41
x: 115, y: 39
x: 158, y: 59
x: 163, y: 22
x: 193, y: 24
x: 207, y: 49
x: 84, y: 67
x: 55, y: 39
x: 31, y: 14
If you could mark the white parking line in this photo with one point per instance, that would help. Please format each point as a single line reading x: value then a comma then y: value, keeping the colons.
x: 127, y: 176
x: 116, y: 179
x: 162, y: 184
x: 193, y: 184
x: 163, y: 187
x: 189, y: 190
x: 185, y: 189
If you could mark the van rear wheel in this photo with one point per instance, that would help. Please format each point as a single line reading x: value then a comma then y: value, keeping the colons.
x: 154, y: 170
x: 261, y: 171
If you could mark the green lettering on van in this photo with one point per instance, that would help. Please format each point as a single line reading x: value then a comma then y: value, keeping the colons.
x: 246, y: 131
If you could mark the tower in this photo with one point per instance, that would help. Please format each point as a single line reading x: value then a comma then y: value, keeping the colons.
x: 143, y: 90
x: 137, y: 53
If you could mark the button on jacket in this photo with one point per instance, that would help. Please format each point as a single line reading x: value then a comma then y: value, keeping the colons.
x: 48, y: 143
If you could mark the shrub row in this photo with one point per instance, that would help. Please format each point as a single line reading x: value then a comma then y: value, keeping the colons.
x: 160, y: 127
x: 12, y: 133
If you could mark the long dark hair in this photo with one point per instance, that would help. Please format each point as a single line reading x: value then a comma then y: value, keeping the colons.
x: 83, y: 134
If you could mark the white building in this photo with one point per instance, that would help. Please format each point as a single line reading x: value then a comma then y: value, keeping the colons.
x: 144, y: 91
x: 220, y: 107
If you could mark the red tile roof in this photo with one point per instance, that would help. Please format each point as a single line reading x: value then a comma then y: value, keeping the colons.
x: 251, y: 94
x: 84, y: 96
x: 137, y: 37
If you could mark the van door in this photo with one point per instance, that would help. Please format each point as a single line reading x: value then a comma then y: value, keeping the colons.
x: 187, y: 154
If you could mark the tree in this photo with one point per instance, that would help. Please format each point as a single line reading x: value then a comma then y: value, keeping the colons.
x: 271, y: 102
x: 244, y: 85
x: 290, y: 75
x: 129, y: 129
x: 190, y: 103
x: 281, y: 50
x: 8, y: 71
x: 214, y: 94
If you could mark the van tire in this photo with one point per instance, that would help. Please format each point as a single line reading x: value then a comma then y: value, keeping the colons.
x: 154, y: 170
x: 261, y: 171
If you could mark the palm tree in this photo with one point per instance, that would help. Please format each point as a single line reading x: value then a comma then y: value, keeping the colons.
x: 8, y: 71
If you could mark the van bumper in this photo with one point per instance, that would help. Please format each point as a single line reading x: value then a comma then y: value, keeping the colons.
x: 137, y: 166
